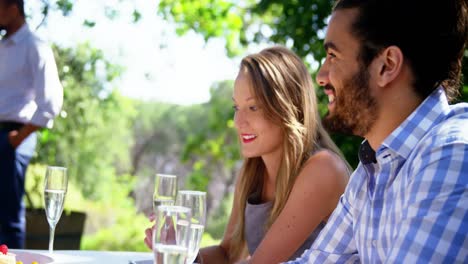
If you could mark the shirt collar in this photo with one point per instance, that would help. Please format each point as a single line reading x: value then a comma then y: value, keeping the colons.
x: 19, y: 35
x: 366, y: 153
x: 405, y: 137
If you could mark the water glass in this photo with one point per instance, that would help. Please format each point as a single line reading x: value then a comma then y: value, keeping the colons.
x: 171, y: 234
x: 196, y: 201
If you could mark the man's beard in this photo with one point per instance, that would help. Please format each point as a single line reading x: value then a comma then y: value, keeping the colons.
x: 355, y: 110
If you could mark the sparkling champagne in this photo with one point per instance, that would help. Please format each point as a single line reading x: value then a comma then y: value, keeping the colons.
x: 54, y: 205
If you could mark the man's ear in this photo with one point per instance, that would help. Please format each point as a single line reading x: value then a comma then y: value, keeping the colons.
x: 389, y: 64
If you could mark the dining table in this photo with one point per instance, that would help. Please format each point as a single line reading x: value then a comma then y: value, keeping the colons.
x: 27, y: 256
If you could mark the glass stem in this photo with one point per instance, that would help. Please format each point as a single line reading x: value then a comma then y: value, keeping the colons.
x: 51, y: 239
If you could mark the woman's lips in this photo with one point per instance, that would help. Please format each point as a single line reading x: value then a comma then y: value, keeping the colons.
x: 247, y: 138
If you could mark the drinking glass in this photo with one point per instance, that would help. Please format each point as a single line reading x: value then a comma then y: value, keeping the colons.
x: 171, y: 234
x: 196, y: 201
x: 165, y: 189
x: 55, y: 188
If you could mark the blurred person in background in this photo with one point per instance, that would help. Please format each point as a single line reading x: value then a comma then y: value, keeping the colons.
x: 30, y: 97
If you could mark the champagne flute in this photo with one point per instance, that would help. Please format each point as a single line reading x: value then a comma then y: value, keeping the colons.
x: 171, y: 234
x: 196, y: 201
x: 165, y: 189
x: 55, y: 188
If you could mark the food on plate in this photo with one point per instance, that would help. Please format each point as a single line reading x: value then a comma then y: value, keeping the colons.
x: 5, y: 257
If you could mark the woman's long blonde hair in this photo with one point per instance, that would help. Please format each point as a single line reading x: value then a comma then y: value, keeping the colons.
x: 283, y: 87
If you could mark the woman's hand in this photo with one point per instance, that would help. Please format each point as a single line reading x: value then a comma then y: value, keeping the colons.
x: 149, y: 233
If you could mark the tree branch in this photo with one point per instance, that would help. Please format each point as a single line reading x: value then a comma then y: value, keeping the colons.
x: 45, y: 13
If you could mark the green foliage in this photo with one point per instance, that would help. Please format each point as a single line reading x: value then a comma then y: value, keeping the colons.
x: 93, y: 133
x: 241, y: 23
x: 65, y: 7
x: 198, y: 178
x: 216, y: 223
x: 298, y: 22
x: 136, y: 16
x: 115, y: 221
x: 160, y: 130
x: 212, y: 18
x: 463, y: 94
x: 35, y: 188
x: 216, y: 136
x: 208, y: 240
x: 124, y: 226
x: 88, y: 23
x: 112, y: 222
x: 465, y: 72
x: 213, y: 142
x: 212, y: 145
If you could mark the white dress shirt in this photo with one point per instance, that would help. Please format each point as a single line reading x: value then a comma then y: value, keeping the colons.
x: 30, y: 89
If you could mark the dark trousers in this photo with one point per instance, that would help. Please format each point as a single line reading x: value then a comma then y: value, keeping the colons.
x: 13, y: 164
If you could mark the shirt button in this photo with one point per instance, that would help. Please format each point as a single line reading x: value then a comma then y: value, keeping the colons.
x: 374, y: 243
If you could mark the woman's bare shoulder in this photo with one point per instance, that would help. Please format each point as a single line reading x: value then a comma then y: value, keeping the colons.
x: 325, y: 166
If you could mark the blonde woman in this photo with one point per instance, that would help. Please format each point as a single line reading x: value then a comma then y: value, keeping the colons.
x: 293, y: 174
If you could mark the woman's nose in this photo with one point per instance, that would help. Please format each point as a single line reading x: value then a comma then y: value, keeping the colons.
x: 240, y: 119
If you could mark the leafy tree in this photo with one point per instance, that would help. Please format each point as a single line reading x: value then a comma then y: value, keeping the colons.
x: 112, y: 223
x: 92, y: 138
x: 297, y: 23
x: 214, y: 141
x: 212, y: 148
x: 65, y: 7
x: 160, y: 131
x: 92, y: 135
x: 197, y: 143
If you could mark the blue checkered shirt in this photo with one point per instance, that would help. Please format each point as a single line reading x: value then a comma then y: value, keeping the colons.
x: 411, y: 205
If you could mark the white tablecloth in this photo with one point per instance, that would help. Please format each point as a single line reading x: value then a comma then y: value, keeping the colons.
x: 82, y: 256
